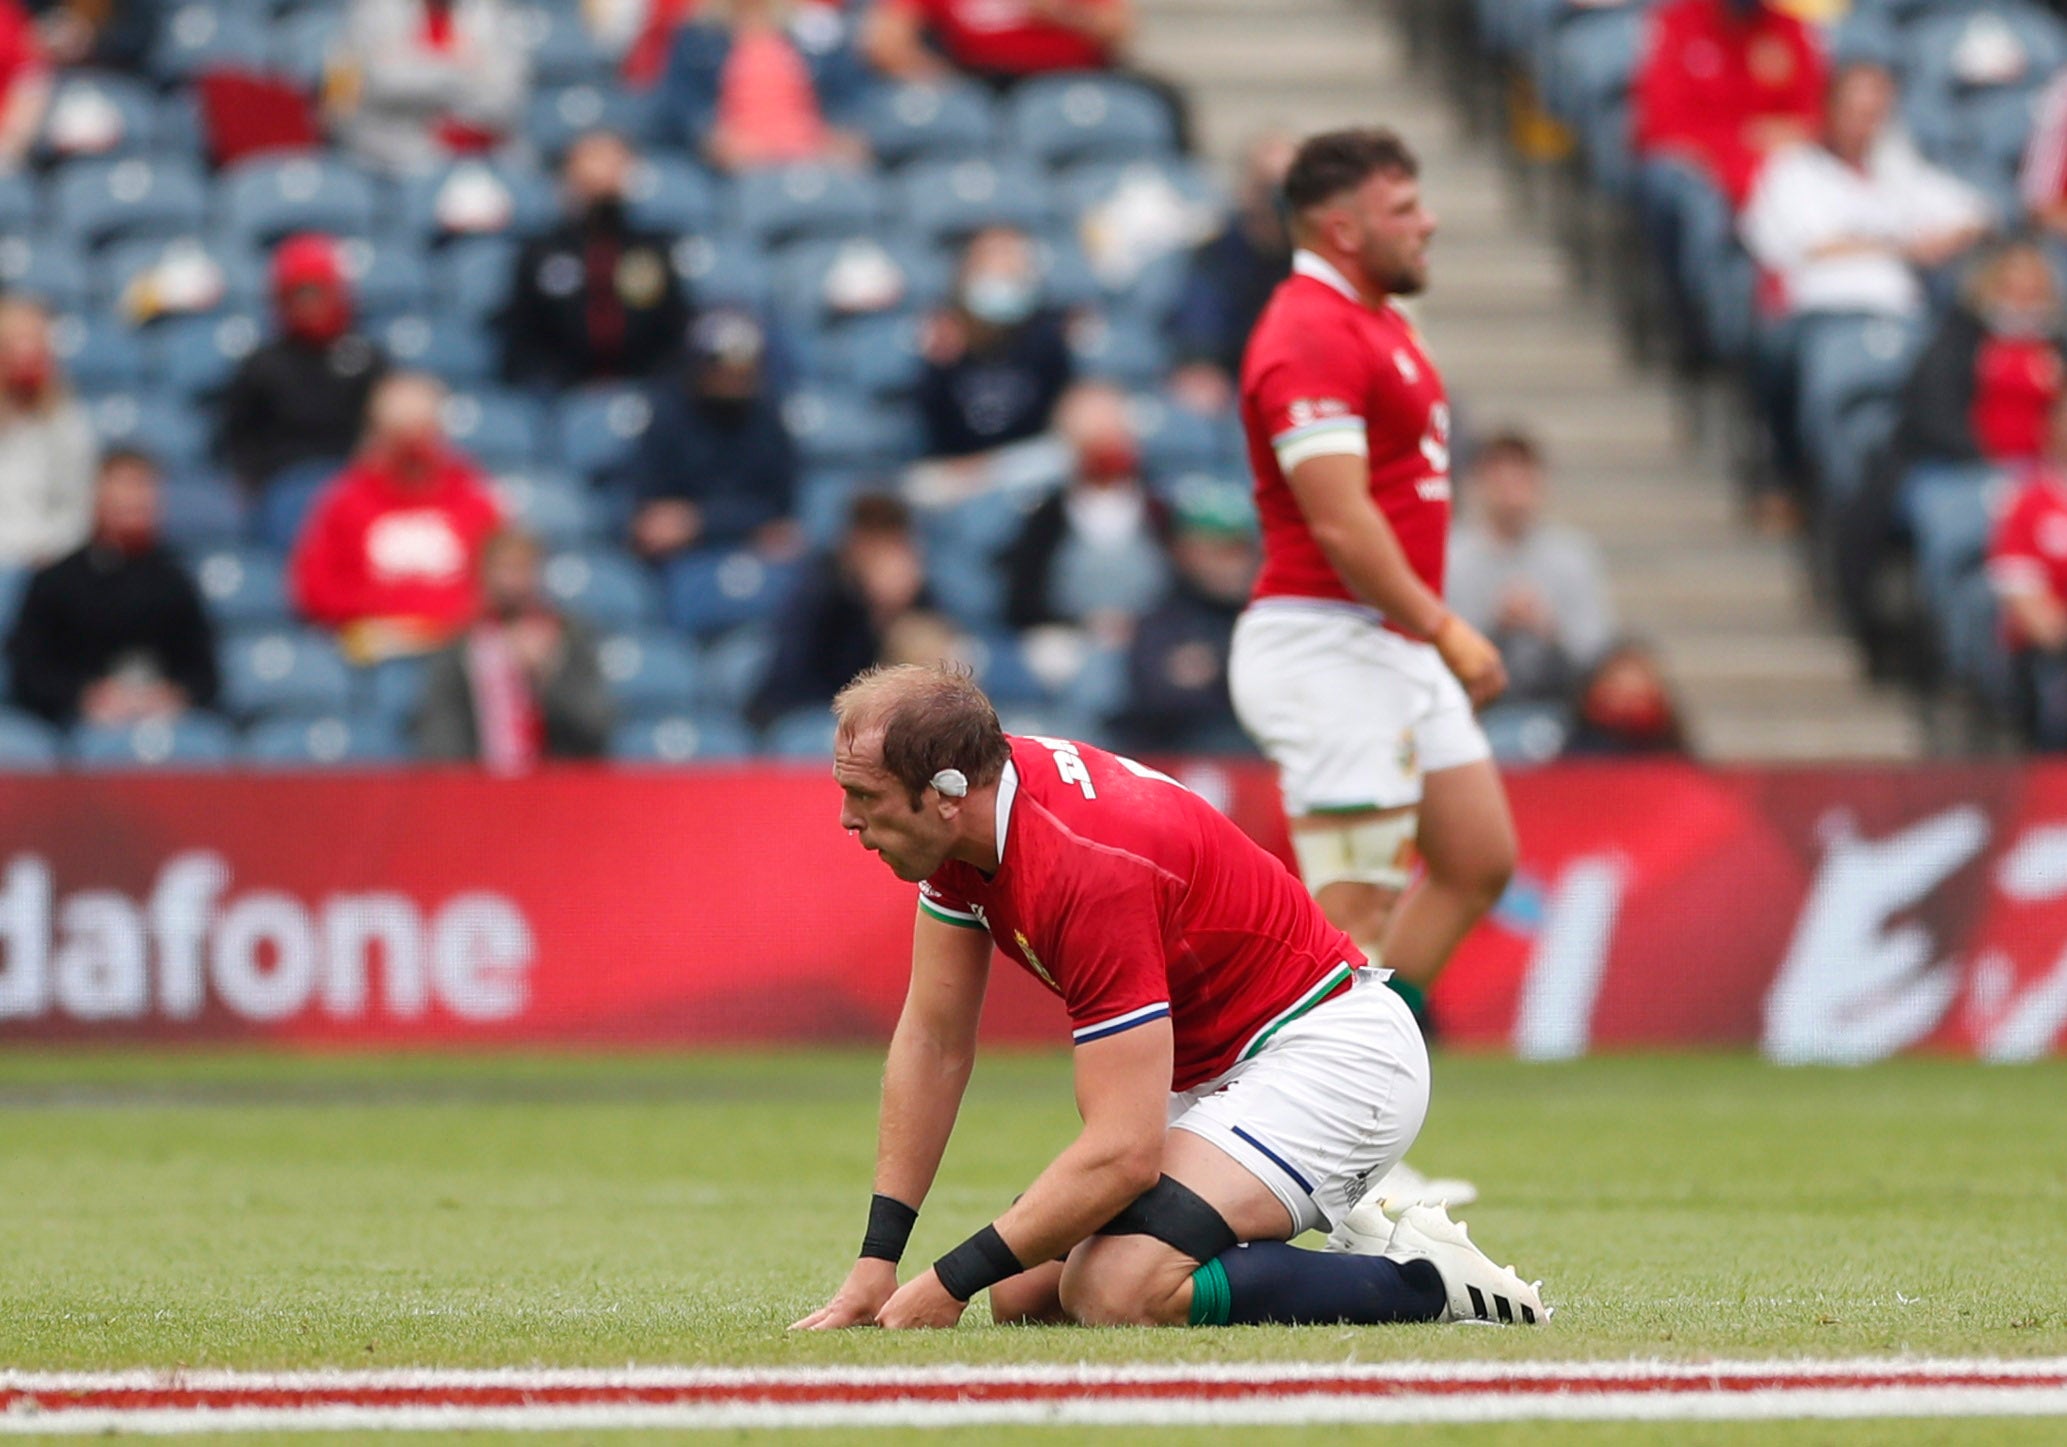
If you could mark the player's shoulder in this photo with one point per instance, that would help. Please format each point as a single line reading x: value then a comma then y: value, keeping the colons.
x: 1087, y: 802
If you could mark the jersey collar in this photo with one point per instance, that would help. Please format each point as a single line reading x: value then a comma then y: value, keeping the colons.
x: 1008, y: 790
x: 1313, y: 264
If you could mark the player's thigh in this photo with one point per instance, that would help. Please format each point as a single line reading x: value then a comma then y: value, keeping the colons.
x: 1466, y: 832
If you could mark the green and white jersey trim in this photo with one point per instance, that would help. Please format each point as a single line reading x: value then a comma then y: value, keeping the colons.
x: 946, y: 915
x: 1328, y: 984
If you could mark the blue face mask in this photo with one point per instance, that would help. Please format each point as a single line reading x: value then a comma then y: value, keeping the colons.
x: 999, y: 301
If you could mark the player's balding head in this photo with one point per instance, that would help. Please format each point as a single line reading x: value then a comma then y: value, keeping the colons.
x: 1330, y: 165
x: 922, y: 718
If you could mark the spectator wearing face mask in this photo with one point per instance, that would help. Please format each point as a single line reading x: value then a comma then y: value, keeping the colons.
x: 115, y: 631
x: 996, y: 360
x: 47, y: 449
x: 301, y: 397
x: 716, y: 467
x: 594, y: 297
x: 523, y: 684
x: 390, y: 556
x: 1625, y: 707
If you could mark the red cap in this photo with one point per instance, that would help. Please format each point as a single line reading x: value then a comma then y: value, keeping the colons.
x: 307, y: 260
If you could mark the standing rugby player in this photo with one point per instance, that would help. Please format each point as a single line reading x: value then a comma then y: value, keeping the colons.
x: 1347, y: 668
x: 1241, y: 1077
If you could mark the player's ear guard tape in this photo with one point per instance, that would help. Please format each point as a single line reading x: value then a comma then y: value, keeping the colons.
x: 1178, y: 1216
x: 952, y: 782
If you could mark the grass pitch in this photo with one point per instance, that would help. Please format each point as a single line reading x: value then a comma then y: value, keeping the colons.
x: 246, y: 1210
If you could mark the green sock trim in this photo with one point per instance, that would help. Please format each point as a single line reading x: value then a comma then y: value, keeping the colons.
x: 1211, y: 1300
x: 1413, y: 994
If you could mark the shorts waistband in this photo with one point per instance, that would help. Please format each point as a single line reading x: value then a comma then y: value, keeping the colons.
x: 1286, y: 603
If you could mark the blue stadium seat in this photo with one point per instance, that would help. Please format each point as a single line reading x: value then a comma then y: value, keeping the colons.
x: 843, y: 429
x: 650, y: 672
x: 806, y: 733
x: 476, y: 198
x: 599, y: 427
x: 1067, y: 280
x: 49, y: 269
x: 97, y: 113
x: 1586, y: 84
x: 672, y: 195
x: 555, y: 118
x: 969, y: 586
x: 1970, y: 635
x: 284, y: 507
x: 1851, y: 370
x: 392, y: 690
x: 14, y: 581
x: 1526, y: 733
x: 952, y: 121
x: 457, y: 351
x: 100, y: 354
x: 1092, y: 183
x: 1001, y: 667
x: 1945, y: 110
x: 1949, y: 511
x: 1119, y: 348
x: 980, y: 526
x: 243, y: 585
x: 496, y: 429
x: 711, y: 590
x: 555, y: 509
x: 27, y: 744
x: 197, y: 356
x: 564, y: 51
x: 1175, y: 439
x: 723, y: 268
x: 389, y: 276
x: 944, y: 201
x: 786, y: 202
x: 21, y: 205
x: 284, y: 671
x: 198, y: 37
x: 681, y: 738
x: 178, y: 129
x: 266, y: 199
x: 192, y: 741
x: 301, y: 45
x: 802, y: 271
x: 329, y: 741
x: 825, y: 496
x: 241, y: 270
x: 602, y: 587
x: 202, y: 510
x: 875, y: 356
x: 173, y: 433
x: 95, y: 202
x: 473, y: 275
x: 1061, y: 119
x: 730, y: 667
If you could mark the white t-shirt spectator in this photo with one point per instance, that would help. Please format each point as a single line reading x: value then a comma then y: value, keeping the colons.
x: 47, y: 462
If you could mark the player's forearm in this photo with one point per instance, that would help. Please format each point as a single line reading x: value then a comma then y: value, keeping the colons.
x: 923, y: 1083
x: 1367, y: 555
x: 1083, y: 1188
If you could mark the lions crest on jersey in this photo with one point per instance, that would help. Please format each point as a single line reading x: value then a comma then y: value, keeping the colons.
x: 1033, y: 961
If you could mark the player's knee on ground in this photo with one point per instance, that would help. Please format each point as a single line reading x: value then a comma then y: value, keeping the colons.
x: 1126, y: 1281
x: 1029, y: 1298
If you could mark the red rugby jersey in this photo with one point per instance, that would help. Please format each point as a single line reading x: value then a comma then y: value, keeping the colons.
x: 1136, y: 900
x: 1326, y: 373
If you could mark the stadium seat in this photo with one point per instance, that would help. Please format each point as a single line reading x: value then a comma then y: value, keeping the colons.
x: 564, y: 51
x: 1094, y: 182
x: 177, y: 128
x: 99, y: 354
x: 712, y: 590
x: 191, y: 741
x: 266, y: 199
x: 673, y: 196
x: 1851, y: 370
x: 824, y: 499
x: 952, y: 121
x: 496, y: 429
x: 389, y: 277
x: 1949, y: 511
x: 1970, y: 637
x: 876, y: 356
x: 458, y: 352
x: 783, y: 203
x: 97, y: 113
x: 842, y: 429
x: 1119, y: 348
x: 330, y: 741
x: 555, y: 118
x: 238, y: 272
x: 806, y: 733
x: 197, y: 356
x: 1067, y: 280
x: 650, y: 672
x: 681, y: 738
x: 243, y: 585
x: 21, y: 204
x: 301, y: 45
x: 476, y: 198
x: 1525, y: 733
x: 1065, y: 118
x: 603, y: 588
x: 95, y: 202
x: 284, y: 507
x: 50, y: 270
x: 1587, y: 86
x: 721, y: 269
x: 472, y: 276
x: 201, y: 510
x: 27, y: 744
x: 170, y: 431
x: 197, y: 37
x: 555, y: 509
x: 392, y: 690
x: 944, y: 201
x: 1001, y: 667
x: 1943, y: 105
x: 1174, y: 439
x: 599, y: 427
x: 284, y: 671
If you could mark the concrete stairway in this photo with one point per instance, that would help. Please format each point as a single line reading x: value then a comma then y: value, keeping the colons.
x: 1761, y: 675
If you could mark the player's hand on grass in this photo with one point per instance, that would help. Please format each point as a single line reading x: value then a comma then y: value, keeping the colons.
x: 921, y: 1302
x: 1471, y: 656
x: 867, y: 1289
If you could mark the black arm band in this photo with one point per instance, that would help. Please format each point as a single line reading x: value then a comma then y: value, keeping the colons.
x: 983, y: 1260
x: 889, y: 1228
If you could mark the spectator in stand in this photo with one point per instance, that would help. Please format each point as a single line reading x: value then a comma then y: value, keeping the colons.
x: 594, y: 297
x: 523, y: 684
x: 100, y: 34
x: 390, y: 556
x: 764, y: 83
x: 1625, y: 707
x: 418, y: 82
x: 1232, y: 276
x: 996, y: 360
x: 2027, y: 565
x: 1982, y: 392
x: 24, y: 85
x: 1535, y: 587
x: 115, y: 631
x: 1091, y: 557
x: 1177, y: 697
x: 995, y: 41
x: 47, y: 448
x: 301, y: 397
x: 716, y: 468
x: 865, y: 602
x: 2042, y: 179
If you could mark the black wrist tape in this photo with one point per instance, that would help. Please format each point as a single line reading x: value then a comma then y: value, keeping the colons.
x: 983, y: 1260
x: 889, y: 1228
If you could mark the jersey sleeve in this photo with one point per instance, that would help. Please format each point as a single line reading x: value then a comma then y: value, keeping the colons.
x: 1111, y: 951
x: 946, y: 904
x: 2015, y: 564
x: 1310, y: 397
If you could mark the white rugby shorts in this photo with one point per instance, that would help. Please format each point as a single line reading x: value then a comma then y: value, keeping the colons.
x: 1352, y: 714
x: 1327, y: 1106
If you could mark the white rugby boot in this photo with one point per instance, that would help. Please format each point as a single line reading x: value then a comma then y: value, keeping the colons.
x: 1366, y: 1230
x: 1405, y: 1186
x: 1478, y: 1290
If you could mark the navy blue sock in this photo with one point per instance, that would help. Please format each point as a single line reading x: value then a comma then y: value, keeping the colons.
x: 1270, y: 1281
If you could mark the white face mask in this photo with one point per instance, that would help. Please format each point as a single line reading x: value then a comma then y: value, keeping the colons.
x: 2022, y: 322
x: 1000, y: 301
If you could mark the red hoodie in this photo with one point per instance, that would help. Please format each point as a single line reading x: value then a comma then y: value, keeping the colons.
x: 378, y: 548
x: 1708, y: 75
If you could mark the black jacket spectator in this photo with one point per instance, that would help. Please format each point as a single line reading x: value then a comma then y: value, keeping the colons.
x: 1234, y: 272
x: 998, y: 394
